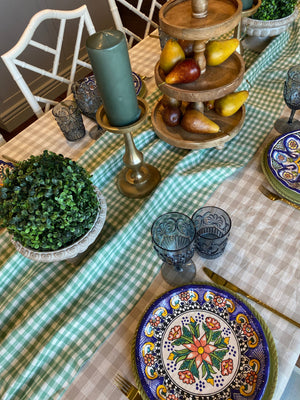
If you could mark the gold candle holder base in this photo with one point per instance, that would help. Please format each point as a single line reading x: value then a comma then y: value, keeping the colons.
x: 137, y: 179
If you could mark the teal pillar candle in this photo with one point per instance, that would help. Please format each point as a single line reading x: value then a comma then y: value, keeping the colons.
x: 247, y: 4
x: 108, y: 54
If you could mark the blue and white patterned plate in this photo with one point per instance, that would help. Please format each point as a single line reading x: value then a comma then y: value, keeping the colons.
x: 3, y: 167
x: 283, y: 159
x: 201, y: 342
x: 137, y: 83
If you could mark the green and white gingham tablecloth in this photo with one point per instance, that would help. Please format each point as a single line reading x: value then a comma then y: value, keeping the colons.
x: 55, y: 316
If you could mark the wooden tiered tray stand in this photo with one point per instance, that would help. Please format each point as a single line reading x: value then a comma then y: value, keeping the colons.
x: 200, y: 21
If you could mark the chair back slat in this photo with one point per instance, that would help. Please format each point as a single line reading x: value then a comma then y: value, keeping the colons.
x: 60, y: 38
x: 147, y: 17
x: 76, y: 53
x: 13, y: 62
x: 42, y: 71
x: 41, y: 46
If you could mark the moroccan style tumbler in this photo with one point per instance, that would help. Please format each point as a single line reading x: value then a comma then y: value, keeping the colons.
x: 213, y: 228
x: 68, y: 117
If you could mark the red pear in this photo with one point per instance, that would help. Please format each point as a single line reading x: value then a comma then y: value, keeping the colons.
x: 184, y: 72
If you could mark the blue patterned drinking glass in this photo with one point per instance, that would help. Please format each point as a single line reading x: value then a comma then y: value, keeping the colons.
x: 173, y: 237
x: 213, y: 228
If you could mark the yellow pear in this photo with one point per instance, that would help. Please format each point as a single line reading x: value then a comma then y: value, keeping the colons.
x: 217, y: 51
x: 231, y: 103
x: 196, y: 122
x: 171, y: 54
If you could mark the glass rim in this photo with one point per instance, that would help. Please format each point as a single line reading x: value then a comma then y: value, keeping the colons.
x: 66, y: 103
x: 293, y: 69
x: 170, y: 213
x: 216, y: 208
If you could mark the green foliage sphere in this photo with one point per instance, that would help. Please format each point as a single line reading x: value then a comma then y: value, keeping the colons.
x: 47, y: 202
x: 275, y: 9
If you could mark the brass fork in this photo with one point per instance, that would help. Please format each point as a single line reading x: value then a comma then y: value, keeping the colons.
x: 130, y: 391
x: 274, y: 196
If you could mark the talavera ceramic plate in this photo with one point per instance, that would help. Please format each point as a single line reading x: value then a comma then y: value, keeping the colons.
x: 137, y: 83
x: 284, y: 160
x: 201, y: 342
x: 3, y: 167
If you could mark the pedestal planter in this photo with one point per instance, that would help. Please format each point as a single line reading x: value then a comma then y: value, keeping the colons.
x: 74, y: 249
x: 260, y: 32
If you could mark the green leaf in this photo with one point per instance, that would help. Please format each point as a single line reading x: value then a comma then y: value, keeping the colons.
x: 203, y: 370
x: 180, y: 358
x: 181, y: 351
x: 186, y: 332
x: 215, y: 360
x: 185, y: 365
x: 182, y: 340
x: 194, y: 370
x: 215, y: 336
x: 220, y: 354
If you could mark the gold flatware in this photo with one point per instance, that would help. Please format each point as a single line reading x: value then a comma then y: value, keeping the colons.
x: 274, y: 196
x: 223, y: 282
x: 130, y: 391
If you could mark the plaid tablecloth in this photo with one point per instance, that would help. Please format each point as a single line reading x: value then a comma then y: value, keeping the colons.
x: 55, y: 316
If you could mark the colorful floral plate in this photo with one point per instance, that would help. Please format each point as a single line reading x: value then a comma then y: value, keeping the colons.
x: 201, y: 342
x: 3, y: 167
x: 281, y: 165
x: 284, y: 160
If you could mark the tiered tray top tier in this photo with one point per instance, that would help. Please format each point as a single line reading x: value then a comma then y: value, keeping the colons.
x: 176, y: 19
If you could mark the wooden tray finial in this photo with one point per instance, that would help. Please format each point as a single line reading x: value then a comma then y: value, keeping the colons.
x: 199, y: 8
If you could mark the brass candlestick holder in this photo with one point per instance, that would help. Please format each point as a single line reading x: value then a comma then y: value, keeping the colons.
x: 137, y: 179
x: 238, y: 28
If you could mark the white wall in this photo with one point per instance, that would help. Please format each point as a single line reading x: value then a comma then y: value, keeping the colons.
x: 14, y: 17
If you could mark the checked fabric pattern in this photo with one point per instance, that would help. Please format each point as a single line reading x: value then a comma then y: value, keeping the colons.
x: 55, y: 316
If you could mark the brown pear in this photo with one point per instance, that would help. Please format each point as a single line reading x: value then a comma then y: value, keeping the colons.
x: 184, y: 72
x: 196, y: 122
x: 187, y: 46
x: 171, y: 115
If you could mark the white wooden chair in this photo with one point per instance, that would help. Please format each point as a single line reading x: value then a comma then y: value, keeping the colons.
x: 145, y: 16
x: 13, y: 63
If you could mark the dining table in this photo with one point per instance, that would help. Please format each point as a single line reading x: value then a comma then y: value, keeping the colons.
x: 67, y: 327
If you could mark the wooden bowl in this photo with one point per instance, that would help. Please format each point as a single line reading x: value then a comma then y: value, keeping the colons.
x: 214, y: 83
x: 178, y: 137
